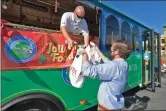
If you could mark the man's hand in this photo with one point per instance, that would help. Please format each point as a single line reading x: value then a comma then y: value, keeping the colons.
x: 71, y: 43
x: 100, y: 53
x: 65, y: 33
x: 81, y: 51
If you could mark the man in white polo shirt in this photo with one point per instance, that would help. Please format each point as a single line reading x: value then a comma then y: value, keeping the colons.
x: 74, y: 22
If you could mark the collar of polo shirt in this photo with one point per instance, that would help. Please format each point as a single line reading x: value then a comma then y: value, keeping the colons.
x: 72, y: 16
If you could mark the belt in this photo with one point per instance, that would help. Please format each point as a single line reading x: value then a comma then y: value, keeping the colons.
x: 103, y: 108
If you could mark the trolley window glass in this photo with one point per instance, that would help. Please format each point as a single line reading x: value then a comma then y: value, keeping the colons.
x: 135, y: 38
x: 126, y: 31
x: 112, y: 30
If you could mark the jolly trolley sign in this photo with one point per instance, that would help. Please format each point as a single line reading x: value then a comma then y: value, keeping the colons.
x: 24, y: 49
x: 21, y: 49
x: 59, y: 53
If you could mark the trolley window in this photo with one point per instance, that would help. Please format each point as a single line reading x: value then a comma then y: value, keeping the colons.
x: 135, y: 38
x: 126, y: 31
x: 112, y: 30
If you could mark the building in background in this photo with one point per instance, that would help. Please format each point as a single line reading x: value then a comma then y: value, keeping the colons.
x: 163, y: 45
x: 163, y: 50
x: 165, y: 33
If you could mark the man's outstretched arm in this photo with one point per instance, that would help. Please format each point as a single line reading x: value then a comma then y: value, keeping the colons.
x: 100, y: 71
x: 65, y: 33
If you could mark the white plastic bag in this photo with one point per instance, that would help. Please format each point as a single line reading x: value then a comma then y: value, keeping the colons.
x: 75, y: 76
x: 93, y: 53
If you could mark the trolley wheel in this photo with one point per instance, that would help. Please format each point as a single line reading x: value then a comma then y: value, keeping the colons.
x: 35, y: 105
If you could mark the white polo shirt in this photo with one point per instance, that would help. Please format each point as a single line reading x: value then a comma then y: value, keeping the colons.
x: 68, y: 21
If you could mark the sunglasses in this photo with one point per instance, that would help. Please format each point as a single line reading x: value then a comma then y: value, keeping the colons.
x: 79, y: 16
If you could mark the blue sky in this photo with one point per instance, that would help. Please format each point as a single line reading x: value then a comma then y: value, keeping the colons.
x: 150, y: 13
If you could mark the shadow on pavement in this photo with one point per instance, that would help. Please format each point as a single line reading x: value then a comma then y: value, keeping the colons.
x: 134, y: 102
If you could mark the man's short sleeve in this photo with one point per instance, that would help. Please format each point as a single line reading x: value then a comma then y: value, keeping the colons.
x: 85, y: 30
x: 64, y: 19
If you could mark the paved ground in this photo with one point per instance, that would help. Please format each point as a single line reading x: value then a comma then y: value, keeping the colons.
x: 144, y: 99
x: 147, y: 100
